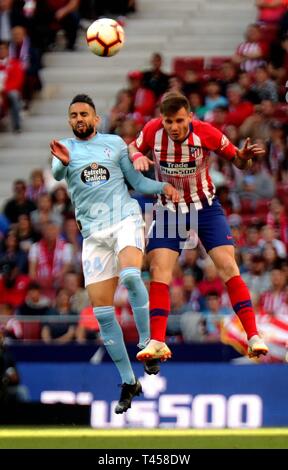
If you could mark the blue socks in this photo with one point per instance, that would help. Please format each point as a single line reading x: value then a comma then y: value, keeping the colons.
x: 113, y: 340
x: 139, y: 301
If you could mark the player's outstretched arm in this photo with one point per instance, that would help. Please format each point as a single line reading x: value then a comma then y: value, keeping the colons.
x: 140, y: 161
x: 244, y: 155
x: 60, y: 161
x: 145, y: 185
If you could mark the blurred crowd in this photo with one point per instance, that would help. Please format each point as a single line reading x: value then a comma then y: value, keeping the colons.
x: 243, y: 95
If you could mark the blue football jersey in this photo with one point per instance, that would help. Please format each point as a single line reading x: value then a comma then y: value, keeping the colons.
x: 95, y: 179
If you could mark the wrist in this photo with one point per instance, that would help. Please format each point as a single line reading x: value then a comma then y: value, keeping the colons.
x: 136, y: 155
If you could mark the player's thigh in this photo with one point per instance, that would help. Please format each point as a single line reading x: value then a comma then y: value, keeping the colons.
x: 102, y: 293
x: 213, y: 228
x: 98, y: 260
x: 162, y: 262
x: 130, y: 256
x: 130, y: 242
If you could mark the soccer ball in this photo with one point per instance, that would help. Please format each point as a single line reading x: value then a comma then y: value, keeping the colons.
x: 105, y: 37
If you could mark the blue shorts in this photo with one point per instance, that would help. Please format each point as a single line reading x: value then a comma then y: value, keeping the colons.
x: 170, y: 228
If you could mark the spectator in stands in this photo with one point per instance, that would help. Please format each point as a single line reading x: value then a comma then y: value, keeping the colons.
x: 189, y: 259
x: 88, y: 326
x: 10, y: 389
x: 45, y: 213
x: 277, y: 151
x: 274, y: 299
x: 144, y: 100
x: 35, y: 305
x: 19, y: 204
x: 50, y: 259
x: 213, y: 314
x: 258, y: 278
x: 178, y: 306
x: 278, y: 219
x: 61, y: 201
x: 62, y: 331
x: 192, y: 82
x: 190, y: 290
x: 263, y: 85
x: 213, y: 97
x: 193, y: 328
x: 271, y: 11
x: 128, y: 130
x: 228, y: 200
x: 253, y: 52
x: 211, y: 280
x: 10, y: 15
x: 197, y: 105
x: 270, y: 256
x: 268, y: 236
x: 13, y: 286
x: 79, y: 299
x: 36, y: 185
x: 252, y: 240
x: 257, y: 126
x: 278, y: 62
x: 122, y: 108
x: 12, y: 77
x: 228, y: 75
x: 238, y: 109
x: 10, y: 250
x: 155, y: 79
x: 53, y: 15
x: 21, y: 48
x: 26, y: 233
x: 175, y: 84
x: 219, y: 118
x: 8, y: 323
x: 257, y: 184
x: 245, y: 80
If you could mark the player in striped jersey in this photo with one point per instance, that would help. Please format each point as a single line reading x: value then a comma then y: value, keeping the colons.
x: 180, y: 147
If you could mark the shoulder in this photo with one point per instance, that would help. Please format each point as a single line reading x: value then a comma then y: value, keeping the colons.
x: 204, y: 128
x: 153, y: 125
x: 111, y: 139
x: 67, y: 141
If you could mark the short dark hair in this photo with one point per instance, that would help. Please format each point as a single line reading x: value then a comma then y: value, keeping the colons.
x: 83, y: 99
x: 172, y: 102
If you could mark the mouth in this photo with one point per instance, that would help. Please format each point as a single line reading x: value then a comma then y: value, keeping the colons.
x: 80, y: 127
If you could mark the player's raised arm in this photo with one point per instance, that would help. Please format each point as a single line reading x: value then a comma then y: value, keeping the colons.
x: 60, y: 160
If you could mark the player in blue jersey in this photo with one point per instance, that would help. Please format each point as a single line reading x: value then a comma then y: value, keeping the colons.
x: 94, y: 166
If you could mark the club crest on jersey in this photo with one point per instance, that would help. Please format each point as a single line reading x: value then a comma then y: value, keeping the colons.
x: 194, y: 149
x: 95, y: 174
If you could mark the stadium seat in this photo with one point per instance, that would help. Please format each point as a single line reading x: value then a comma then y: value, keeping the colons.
x: 213, y: 64
x: 181, y: 64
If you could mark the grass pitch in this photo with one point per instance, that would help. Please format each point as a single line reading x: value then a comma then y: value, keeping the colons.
x: 86, y: 438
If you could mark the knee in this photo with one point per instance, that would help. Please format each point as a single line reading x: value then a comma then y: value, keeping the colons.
x: 130, y: 278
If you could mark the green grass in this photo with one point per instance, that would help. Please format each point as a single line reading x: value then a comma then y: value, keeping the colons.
x: 85, y: 438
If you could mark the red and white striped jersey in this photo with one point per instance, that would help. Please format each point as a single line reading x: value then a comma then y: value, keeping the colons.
x: 185, y: 164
